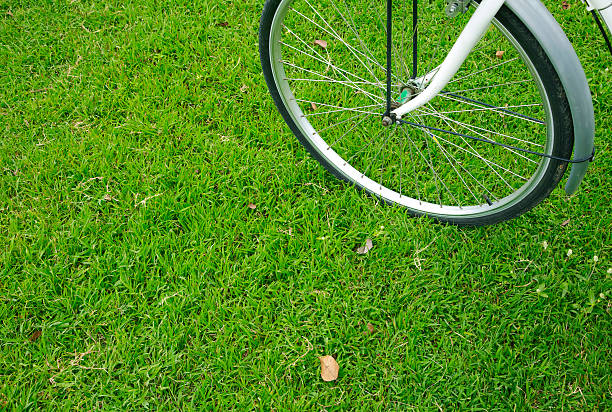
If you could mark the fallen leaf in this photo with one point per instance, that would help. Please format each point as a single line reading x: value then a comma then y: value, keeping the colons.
x: 79, y: 125
x: 366, y: 248
x: 565, y: 223
x: 565, y: 5
x: 329, y: 368
x: 9, y: 13
x: 370, y: 329
x: 34, y: 337
x: 502, y: 114
x: 321, y: 43
x: 500, y: 54
x: 223, y: 24
x: 313, y: 106
x: 252, y: 206
x: 244, y: 88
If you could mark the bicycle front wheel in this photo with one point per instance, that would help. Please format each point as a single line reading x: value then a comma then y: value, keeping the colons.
x: 325, y: 65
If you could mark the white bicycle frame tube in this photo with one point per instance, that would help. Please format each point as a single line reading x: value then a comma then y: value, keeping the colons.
x: 470, y: 36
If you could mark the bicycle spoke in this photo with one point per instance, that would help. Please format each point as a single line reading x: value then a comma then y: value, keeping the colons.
x: 396, y: 54
x: 415, y: 174
x: 476, y: 154
x: 363, y: 115
x: 342, y: 71
x: 348, y: 131
x: 340, y: 108
x: 483, y: 70
x: 490, y: 87
x: 363, y: 148
x: 354, y: 51
x: 352, y: 27
x: 446, y: 155
x: 435, y: 113
x: 433, y: 171
x: 330, y: 81
x: 496, y: 109
x: 484, y: 137
x: 331, y: 65
x: 485, y: 109
x: 372, y: 97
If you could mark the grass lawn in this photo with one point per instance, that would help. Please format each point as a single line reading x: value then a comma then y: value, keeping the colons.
x: 133, y: 274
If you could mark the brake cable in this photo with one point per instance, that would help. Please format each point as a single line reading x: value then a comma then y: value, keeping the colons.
x: 601, y: 28
x: 389, y: 55
x: 519, y: 149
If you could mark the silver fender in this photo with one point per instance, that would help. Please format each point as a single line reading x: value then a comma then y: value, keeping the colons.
x: 555, y: 43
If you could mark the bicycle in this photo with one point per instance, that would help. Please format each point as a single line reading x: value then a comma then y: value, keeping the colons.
x: 471, y: 119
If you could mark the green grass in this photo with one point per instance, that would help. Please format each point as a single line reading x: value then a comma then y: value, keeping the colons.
x: 133, y: 274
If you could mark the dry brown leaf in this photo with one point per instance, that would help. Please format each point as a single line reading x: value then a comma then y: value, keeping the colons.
x: 223, y: 24
x: 313, y: 106
x: 329, y: 368
x: 34, y: 337
x: 252, y: 206
x: 365, y: 248
x: 321, y: 43
x: 370, y: 330
x: 502, y: 114
x: 9, y: 13
x: 565, y: 223
x: 565, y: 5
x: 500, y: 54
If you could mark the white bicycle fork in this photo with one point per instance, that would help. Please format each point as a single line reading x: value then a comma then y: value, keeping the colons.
x: 470, y: 36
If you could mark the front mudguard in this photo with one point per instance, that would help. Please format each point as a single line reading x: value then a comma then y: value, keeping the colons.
x: 555, y: 43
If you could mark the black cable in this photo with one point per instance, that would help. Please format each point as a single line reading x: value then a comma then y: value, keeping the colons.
x: 601, y: 28
x: 389, y: 53
x: 415, y: 22
x: 588, y: 159
x: 501, y: 109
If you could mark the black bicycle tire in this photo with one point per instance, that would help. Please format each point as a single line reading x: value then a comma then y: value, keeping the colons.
x: 562, y: 120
